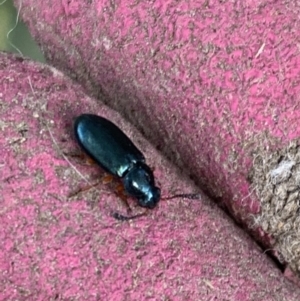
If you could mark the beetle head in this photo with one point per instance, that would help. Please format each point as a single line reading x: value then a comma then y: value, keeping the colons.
x: 139, y: 183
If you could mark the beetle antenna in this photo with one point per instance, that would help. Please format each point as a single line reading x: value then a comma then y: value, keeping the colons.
x: 190, y: 196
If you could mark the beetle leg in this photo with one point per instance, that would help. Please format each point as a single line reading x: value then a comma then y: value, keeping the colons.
x: 120, y: 191
x: 82, y: 157
x: 123, y: 218
x: 76, y: 154
x: 107, y: 179
x: 104, y: 180
x: 89, y: 161
x: 83, y: 189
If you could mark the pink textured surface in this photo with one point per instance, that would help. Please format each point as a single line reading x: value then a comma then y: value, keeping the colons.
x: 209, y: 82
x: 205, y: 71
x: 59, y: 248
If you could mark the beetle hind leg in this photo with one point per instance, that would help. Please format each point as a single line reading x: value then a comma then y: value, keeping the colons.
x: 81, y: 156
x: 104, y: 180
x: 83, y: 189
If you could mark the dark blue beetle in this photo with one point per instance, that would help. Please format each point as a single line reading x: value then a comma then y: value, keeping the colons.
x: 107, y: 145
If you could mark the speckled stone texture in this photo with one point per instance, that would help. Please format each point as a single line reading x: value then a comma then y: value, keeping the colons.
x: 57, y: 247
x: 213, y: 84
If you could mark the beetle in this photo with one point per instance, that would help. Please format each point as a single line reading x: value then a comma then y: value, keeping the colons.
x: 114, y: 152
